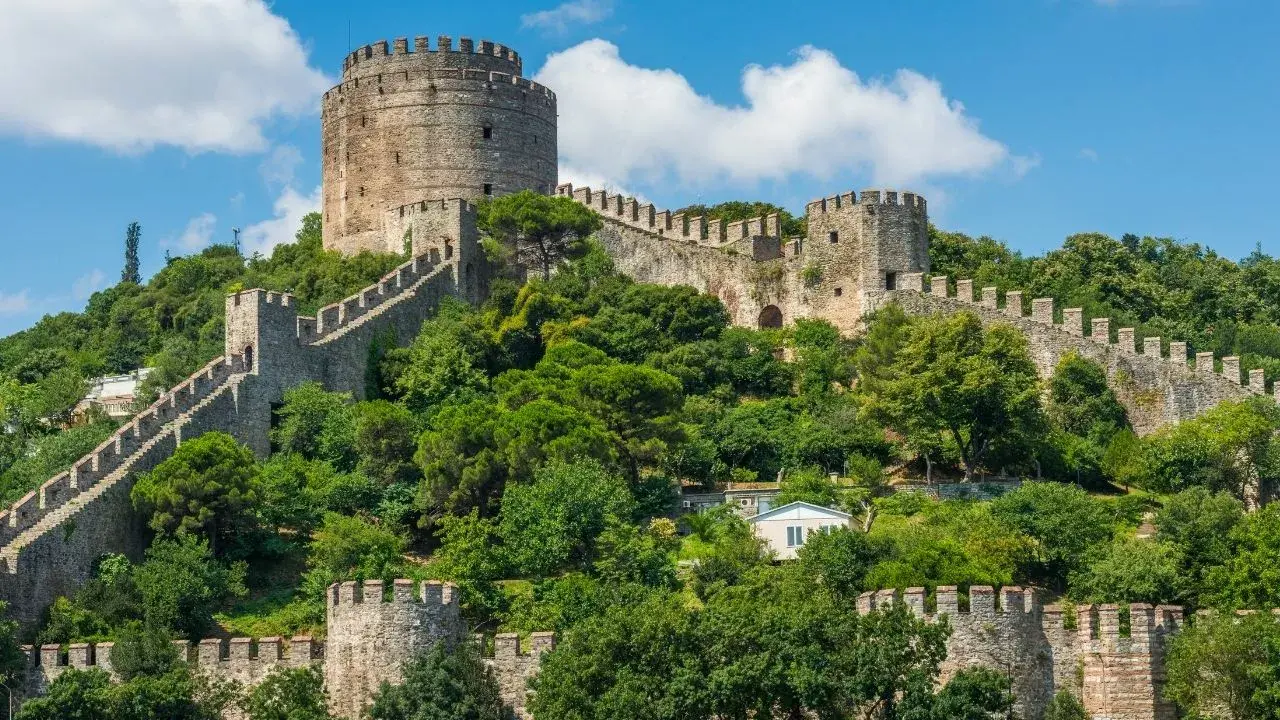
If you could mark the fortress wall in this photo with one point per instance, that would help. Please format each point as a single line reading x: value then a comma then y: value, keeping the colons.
x: 1154, y: 390
x: 1044, y: 650
x: 513, y: 668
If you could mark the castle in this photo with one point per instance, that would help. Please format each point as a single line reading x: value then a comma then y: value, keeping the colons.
x: 410, y: 140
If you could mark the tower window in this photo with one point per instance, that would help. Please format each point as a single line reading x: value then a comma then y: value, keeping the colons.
x: 397, y: 158
x: 488, y: 132
x: 361, y: 191
x: 833, y: 236
x: 891, y: 281
x: 488, y: 188
x: 839, y: 292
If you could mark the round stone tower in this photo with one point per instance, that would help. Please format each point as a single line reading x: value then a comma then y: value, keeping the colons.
x: 370, y: 637
x: 407, y: 125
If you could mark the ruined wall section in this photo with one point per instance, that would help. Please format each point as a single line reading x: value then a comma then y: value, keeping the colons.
x: 1155, y: 390
x: 410, y: 123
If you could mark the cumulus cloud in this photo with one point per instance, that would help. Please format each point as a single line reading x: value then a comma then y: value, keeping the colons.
x: 574, y: 12
x: 14, y: 303
x: 631, y: 124
x: 197, y: 235
x: 203, y: 75
x: 289, y: 208
x: 279, y: 168
x: 88, y: 284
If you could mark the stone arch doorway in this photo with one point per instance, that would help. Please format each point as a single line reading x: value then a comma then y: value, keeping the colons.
x: 248, y: 358
x: 770, y: 317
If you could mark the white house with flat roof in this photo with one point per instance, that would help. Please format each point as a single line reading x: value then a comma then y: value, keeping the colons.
x: 786, y: 528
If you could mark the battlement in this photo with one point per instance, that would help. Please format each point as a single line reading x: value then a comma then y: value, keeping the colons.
x: 845, y: 201
x: 1044, y: 313
x: 110, y: 455
x: 467, y: 50
x: 402, y: 592
x: 1013, y: 601
x: 241, y: 653
x: 428, y: 78
x: 713, y: 232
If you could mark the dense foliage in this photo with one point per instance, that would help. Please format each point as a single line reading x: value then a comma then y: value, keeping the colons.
x: 533, y: 450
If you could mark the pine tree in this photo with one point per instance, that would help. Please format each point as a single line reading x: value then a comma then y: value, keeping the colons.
x: 131, y: 238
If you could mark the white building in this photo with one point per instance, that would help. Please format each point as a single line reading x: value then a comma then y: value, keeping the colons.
x: 114, y: 394
x: 787, y: 528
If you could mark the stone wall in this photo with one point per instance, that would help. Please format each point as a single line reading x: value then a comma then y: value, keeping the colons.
x: 1044, y: 650
x: 410, y: 123
x: 371, y: 632
x: 1155, y: 389
x: 854, y: 246
x: 52, y: 538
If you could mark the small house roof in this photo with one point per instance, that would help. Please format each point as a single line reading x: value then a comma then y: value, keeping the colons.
x: 800, y: 510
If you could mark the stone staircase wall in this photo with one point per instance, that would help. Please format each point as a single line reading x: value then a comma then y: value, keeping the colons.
x: 52, y: 538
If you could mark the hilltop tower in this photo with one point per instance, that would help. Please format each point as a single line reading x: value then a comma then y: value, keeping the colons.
x: 408, y: 125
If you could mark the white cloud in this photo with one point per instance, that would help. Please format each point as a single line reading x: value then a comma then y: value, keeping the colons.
x: 627, y: 123
x: 1023, y: 164
x: 573, y: 12
x: 14, y: 303
x: 1089, y: 154
x: 88, y: 284
x: 197, y: 235
x: 128, y: 75
x: 237, y: 201
x: 279, y: 168
x: 289, y: 208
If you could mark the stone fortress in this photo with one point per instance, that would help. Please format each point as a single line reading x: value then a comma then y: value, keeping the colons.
x: 411, y: 138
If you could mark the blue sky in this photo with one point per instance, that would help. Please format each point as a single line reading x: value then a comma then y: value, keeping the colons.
x: 1026, y: 120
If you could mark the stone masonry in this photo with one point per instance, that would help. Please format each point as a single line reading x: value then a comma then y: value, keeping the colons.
x: 371, y: 634
x: 410, y: 123
x: 410, y: 140
x: 1044, y: 650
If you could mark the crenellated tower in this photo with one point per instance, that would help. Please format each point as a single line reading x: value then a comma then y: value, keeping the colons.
x: 372, y: 634
x: 412, y: 123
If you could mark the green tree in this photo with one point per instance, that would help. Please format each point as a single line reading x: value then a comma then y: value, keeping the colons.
x: 1198, y: 524
x: 74, y: 695
x: 317, y: 424
x: 444, y: 683
x: 977, y: 387
x: 143, y: 651
x: 810, y: 485
x: 1065, y: 706
x: 1081, y: 402
x: 1226, y: 666
x: 385, y: 441
x: 352, y: 548
x: 181, y: 584
x: 288, y: 694
x: 554, y: 521
x: 1250, y: 576
x: 1231, y: 447
x: 208, y: 487
x: 1063, y: 522
x: 1130, y: 570
x: 839, y: 560
x: 541, y: 229
x: 132, y: 236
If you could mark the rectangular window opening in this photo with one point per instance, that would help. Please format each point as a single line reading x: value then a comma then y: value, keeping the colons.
x: 833, y: 236
x: 488, y: 132
x: 795, y: 535
x: 891, y: 281
x: 488, y: 189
